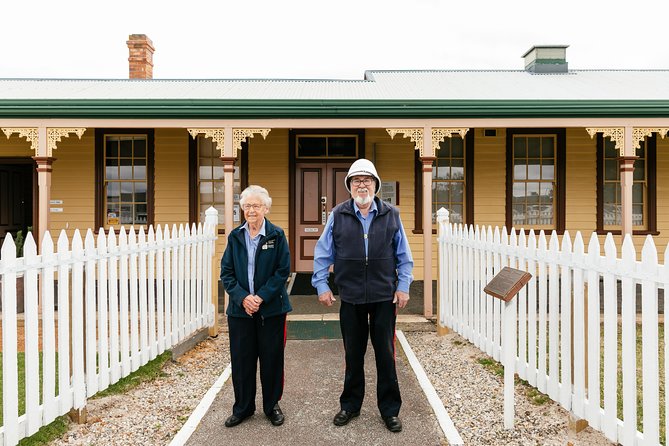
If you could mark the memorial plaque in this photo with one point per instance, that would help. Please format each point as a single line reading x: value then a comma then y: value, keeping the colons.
x: 507, y: 283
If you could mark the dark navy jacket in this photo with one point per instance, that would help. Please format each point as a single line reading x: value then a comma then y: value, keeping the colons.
x: 365, y: 278
x: 272, y: 269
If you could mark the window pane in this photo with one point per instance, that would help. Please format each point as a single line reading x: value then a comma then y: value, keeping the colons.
x: 441, y: 173
x: 205, y: 171
x: 139, y: 172
x: 457, y: 192
x: 126, y: 192
x: 126, y: 214
x: 458, y: 173
x: 637, y: 215
x: 546, y: 194
x: 533, y: 169
x: 519, y: 172
x: 519, y: 193
x: 111, y: 172
x: 140, y: 214
x: 206, y: 192
x: 533, y: 147
x: 519, y: 148
x: 140, y: 192
x: 637, y: 193
x: 611, y: 214
x: 219, y: 192
x: 611, y: 170
x: 547, y: 169
x: 126, y: 147
x: 113, y: 191
x: 111, y: 148
x: 639, y: 170
x: 342, y: 146
x: 217, y: 172
x: 125, y: 168
x: 548, y: 147
x: 457, y: 147
x: 311, y: 146
x: 610, y: 150
x: 455, y: 214
x: 532, y: 192
x: 518, y: 216
x: 140, y: 148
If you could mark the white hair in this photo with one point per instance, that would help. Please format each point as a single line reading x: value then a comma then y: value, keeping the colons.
x: 256, y: 191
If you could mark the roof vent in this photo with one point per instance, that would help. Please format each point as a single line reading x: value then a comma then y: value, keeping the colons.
x: 546, y: 59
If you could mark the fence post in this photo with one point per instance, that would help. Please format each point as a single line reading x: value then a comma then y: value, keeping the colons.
x: 509, y: 360
x: 211, y: 222
x: 442, y: 222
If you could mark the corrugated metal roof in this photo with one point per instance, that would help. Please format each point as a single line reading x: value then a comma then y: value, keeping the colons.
x: 378, y: 85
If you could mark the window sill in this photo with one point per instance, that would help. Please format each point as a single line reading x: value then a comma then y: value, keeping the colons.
x: 619, y: 232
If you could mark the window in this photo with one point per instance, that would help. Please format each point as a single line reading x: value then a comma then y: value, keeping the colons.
x: 535, y: 178
x: 207, y: 182
x: 609, y: 205
x: 324, y: 146
x: 124, y: 177
x: 448, y: 180
x: 452, y: 181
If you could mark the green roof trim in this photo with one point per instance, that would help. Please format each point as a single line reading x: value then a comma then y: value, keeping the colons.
x: 361, y: 108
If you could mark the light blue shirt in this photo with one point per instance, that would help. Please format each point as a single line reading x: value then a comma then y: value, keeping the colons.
x: 251, y: 248
x: 324, y: 252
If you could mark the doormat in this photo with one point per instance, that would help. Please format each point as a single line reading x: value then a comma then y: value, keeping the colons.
x: 302, y: 285
x: 311, y: 330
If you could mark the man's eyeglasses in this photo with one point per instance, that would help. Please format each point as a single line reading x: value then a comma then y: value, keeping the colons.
x: 358, y: 182
x: 255, y: 207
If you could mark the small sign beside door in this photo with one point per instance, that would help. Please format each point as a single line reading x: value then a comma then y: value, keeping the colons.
x: 310, y: 229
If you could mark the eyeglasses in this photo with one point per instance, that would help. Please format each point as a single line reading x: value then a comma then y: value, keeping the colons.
x: 358, y: 182
x: 255, y: 207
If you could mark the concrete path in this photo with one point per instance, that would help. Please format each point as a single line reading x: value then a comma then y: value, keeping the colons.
x: 314, y: 377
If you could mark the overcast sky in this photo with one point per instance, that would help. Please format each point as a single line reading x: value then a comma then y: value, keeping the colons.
x: 332, y: 39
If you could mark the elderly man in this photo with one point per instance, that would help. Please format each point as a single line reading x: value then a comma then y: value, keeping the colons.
x: 365, y: 240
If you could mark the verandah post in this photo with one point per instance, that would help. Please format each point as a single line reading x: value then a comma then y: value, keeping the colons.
x: 211, y: 224
x: 442, y: 222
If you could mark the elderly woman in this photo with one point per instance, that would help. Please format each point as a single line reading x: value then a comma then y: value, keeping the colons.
x: 254, y: 270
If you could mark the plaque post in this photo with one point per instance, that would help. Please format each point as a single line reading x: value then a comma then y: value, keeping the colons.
x: 505, y: 285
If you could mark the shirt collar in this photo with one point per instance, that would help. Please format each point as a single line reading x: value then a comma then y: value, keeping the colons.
x: 262, y: 228
x: 372, y: 208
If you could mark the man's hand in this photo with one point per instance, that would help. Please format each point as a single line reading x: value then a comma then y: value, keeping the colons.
x: 326, y: 298
x: 401, y: 299
x: 251, y: 304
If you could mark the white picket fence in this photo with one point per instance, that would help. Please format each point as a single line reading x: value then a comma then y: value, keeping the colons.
x: 120, y: 302
x: 559, y: 317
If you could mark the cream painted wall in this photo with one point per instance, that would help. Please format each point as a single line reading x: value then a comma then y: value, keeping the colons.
x: 73, y: 182
x: 489, y: 178
x: 171, y: 176
x: 581, y: 182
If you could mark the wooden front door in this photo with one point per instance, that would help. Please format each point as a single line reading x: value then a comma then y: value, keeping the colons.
x: 318, y: 188
x: 16, y: 198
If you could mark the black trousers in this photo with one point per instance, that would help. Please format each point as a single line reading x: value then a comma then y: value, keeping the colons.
x: 378, y: 321
x: 252, y: 340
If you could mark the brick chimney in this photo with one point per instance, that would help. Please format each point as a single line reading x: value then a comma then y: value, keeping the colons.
x: 141, y: 56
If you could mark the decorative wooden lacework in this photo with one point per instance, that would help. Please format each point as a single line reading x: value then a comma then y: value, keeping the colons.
x: 617, y: 135
x: 415, y: 134
x: 438, y: 135
x: 240, y: 135
x: 31, y: 134
x: 639, y: 133
x: 216, y: 135
x: 54, y: 135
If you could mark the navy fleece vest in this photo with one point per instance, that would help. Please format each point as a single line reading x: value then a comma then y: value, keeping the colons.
x: 360, y: 278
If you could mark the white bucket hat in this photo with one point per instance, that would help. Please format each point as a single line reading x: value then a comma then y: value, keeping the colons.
x: 362, y: 167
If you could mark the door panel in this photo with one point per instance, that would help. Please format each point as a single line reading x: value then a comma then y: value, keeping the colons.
x: 319, y: 188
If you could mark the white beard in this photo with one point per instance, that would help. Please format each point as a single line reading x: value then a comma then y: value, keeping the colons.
x: 361, y: 201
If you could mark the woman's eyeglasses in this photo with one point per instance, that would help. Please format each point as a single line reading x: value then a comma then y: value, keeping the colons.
x: 255, y: 207
x: 358, y: 182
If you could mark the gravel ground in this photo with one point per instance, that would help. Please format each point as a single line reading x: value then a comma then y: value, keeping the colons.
x: 474, y: 398
x: 153, y: 413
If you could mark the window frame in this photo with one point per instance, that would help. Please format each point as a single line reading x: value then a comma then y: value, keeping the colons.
x: 193, y: 178
x: 468, y: 191
x: 560, y: 175
x: 100, y: 199
x: 651, y: 183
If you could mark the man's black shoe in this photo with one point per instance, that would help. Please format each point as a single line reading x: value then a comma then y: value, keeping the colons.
x: 234, y: 420
x: 393, y: 424
x: 343, y: 417
x: 276, y: 417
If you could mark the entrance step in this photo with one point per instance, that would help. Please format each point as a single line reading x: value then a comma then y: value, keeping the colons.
x: 326, y: 321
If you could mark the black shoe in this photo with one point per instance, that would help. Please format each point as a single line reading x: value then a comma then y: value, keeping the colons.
x: 343, y: 417
x: 234, y: 420
x: 276, y: 417
x: 393, y: 424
